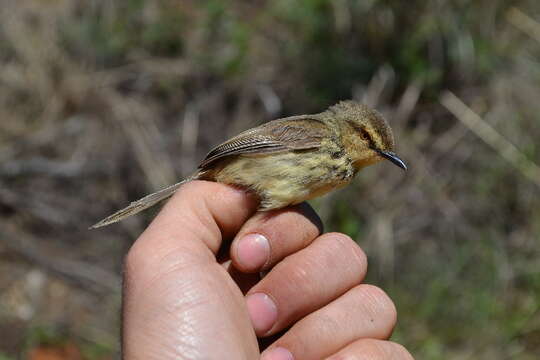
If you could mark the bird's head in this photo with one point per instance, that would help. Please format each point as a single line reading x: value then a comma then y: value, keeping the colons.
x: 366, y: 135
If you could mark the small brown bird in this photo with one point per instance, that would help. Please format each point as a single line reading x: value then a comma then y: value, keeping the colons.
x: 290, y: 160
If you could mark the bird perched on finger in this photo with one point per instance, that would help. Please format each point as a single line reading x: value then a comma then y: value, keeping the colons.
x: 293, y: 159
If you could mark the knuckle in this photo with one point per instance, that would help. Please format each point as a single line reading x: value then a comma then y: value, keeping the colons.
x: 298, y: 275
x: 349, y: 248
x: 203, y: 191
x: 137, y: 261
x: 374, y: 348
x: 401, y: 352
x: 367, y: 349
x: 381, y: 349
x: 195, y: 185
x: 133, y: 258
x: 381, y: 305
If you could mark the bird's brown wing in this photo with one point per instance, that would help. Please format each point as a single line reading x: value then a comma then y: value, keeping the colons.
x: 293, y: 133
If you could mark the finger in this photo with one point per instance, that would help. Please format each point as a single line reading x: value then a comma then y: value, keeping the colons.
x: 244, y: 281
x: 372, y: 349
x: 305, y: 281
x: 193, y: 223
x: 268, y: 237
x: 363, y: 312
x: 171, y: 276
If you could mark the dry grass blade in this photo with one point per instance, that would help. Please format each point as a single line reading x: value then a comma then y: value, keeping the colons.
x: 408, y: 102
x: 490, y: 136
x: 524, y: 23
x: 139, y: 125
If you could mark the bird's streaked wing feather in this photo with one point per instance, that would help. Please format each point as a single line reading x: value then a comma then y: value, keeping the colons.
x: 293, y: 133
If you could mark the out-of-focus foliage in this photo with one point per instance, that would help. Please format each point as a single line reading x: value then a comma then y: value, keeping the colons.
x: 103, y: 101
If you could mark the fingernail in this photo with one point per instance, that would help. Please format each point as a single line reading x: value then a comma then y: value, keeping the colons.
x: 278, y: 353
x: 253, y: 251
x: 262, y: 311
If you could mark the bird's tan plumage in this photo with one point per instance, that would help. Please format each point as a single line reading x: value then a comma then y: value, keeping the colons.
x: 293, y: 133
x: 290, y: 160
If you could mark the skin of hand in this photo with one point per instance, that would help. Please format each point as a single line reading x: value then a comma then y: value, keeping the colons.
x: 185, y: 299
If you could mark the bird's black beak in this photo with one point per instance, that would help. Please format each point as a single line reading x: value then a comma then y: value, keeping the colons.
x: 393, y: 158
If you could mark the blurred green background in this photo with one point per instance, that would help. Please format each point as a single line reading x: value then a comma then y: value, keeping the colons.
x: 104, y: 101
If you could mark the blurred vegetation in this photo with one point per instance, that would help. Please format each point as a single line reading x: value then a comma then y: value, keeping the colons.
x: 104, y: 101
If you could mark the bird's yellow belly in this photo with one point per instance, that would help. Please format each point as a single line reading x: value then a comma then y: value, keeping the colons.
x: 286, y: 178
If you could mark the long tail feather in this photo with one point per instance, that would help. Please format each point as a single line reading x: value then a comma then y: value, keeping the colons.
x: 141, y: 204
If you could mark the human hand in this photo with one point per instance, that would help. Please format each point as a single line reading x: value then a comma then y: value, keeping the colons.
x: 182, y: 303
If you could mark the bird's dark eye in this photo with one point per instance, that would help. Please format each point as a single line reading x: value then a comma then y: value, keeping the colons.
x: 365, y: 135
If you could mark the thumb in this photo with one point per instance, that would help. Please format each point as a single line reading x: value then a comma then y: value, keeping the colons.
x: 196, y: 220
x: 173, y: 285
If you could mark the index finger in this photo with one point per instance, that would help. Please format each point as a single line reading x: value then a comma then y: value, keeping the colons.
x: 267, y: 237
